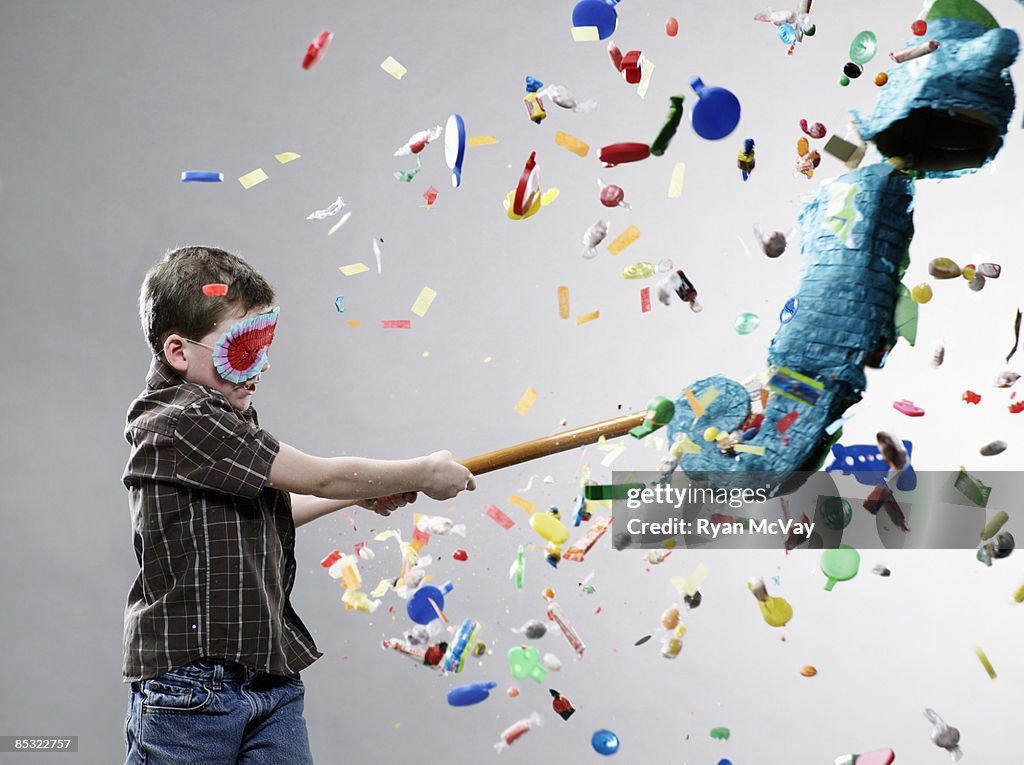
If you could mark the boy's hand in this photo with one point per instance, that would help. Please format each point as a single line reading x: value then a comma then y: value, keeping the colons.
x: 386, y: 505
x: 444, y: 478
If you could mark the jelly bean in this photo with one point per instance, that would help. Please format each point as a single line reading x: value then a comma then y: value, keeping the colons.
x: 672, y: 26
x: 605, y: 742
x: 881, y: 78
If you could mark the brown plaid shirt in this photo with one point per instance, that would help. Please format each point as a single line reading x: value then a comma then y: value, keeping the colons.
x: 215, y: 545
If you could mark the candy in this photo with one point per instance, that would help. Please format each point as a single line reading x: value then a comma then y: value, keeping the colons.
x: 915, y: 51
x: 604, y: 742
x: 671, y: 26
x: 512, y: 733
x: 317, y: 49
x: 619, y: 153
x: 993, y: 448
x: 555, y: 614
x: 593, y: 236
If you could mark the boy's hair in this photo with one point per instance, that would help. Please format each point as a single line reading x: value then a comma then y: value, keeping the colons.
x: 172, y: 298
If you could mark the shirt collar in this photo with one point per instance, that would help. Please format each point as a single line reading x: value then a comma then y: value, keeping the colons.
x: 162, y: 375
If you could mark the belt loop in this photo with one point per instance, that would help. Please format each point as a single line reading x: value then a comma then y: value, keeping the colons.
x: 218, y: 676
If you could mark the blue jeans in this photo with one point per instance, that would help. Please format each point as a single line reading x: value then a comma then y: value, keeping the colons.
x: 216, y: 713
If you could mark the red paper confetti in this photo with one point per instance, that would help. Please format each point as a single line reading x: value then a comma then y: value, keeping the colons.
x: 645, y: 300
x: 783, y: 425
x: 395, y: 324
x: 331, y: 559
x: 317, y: 48
x: 430, y: 195
x: 215, y: 290
x: 495, y: 514
x: 971, y: 397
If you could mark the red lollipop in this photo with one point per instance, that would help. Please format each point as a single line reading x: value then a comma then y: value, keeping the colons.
x: 317, y: 48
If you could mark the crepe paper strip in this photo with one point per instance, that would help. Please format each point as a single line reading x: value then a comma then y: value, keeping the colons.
x: 481, y: 140
x: 695, y: 405
x: 549, y: 196
x: 708, y: 397
x: 748, y: 449
x: 286, y: 156
x: 587, y: 317
x: 423, y: 302
x: 395, y: 324
x: 582, y: 545
x: 524, y: 504
x: 392, y: 67
x: 353, y: 323
x: 563, y: 302
x: 645, y: 300
x: 613, y: 455
x: 353, y: 268
x: 341, y: 222
x: 985, y: 662
x: 572, y: 143
x: 215, y: 289
x: 251, y: 179
x: 623, y: 240
x: 526, y: 401
x: 675, y: 183
x: 585, y: 34
x: 645, y: 78
x: 201, y: 176
x: 495, y: 514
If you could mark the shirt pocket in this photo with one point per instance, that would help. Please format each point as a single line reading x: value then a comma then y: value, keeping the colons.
x: 170, y: 693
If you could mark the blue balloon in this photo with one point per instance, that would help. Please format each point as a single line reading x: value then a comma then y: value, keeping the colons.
x: 466, y: 695
x: 716, y: 113
x: 596, y: 13
x: 604, y: 742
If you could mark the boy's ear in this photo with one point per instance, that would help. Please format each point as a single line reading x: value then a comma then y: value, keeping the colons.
x: 174, y: 352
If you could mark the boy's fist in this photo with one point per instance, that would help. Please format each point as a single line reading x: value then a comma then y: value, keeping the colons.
x: 444, y: 478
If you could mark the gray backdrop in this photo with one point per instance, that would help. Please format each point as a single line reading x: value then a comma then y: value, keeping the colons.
x: 104, y: 104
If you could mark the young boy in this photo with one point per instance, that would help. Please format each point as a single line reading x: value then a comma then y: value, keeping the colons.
x: 212, y: 646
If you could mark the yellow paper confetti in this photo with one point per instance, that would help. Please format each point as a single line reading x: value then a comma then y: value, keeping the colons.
x: 587, y: 317
x: 585, y: 34
x: 286, y: 156
x: 613, y: 455
x: 695, y: 405
x: 645, y: 78
x: 708, y: 398
x: 746, y: 250
x: 387, y: 534
x: 487, y: 360
x: 549, y: 196
x: 341, y: 222
x: 985, y: 662
x: 623, y: 240
x: 393, y: 68
x: 422, y: 304
x: 353, y: 268
x: 675, y: 184
x: 251, y: 179
x: 686, y: 446
x: 382, y: 587
x: 748, y: 449
x: 527, y: 401
x: 523, y: 504
x: 694, y: 581
x: 357, y: 601
x: 481, y: 140
x: 563, y: 302
x: 353, y: 323
x: 572, y: 143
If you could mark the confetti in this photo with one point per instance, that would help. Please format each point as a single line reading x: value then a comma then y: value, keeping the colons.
x: 585, y: 34
x: 563, y: 302
x: 623, y: 240
x: 286, y: 156
x: 430, y: 195
x: 675, y: 183
x: 201, y: 176
x: 215, y: 289
x: 393, y: 68
x: 587, y: 317
x: 423, y: 302
x: 645, y: 300
x: 613, y: 455
x: 353, y: 268
x: 353, y: 323
x: 524, y: 504
x: 341, y: 222
x: 985, y: 662
x: 328, y: 212
x: 572, y: 143
x: 749, y: 449
x: 645, y: 78
x: 527, y: 401
x: 395, y: 324
x: 495, y: 514
x: 251, y: 179
x: 695, y: 405
x: 549, y: 196
x: 481, y: 140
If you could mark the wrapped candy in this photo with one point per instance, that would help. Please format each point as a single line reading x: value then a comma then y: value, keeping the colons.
x: 418, y: 141
x: 593, y: 236
x: 944, y: 735
x: 512, y: 733
x: 561, y: 96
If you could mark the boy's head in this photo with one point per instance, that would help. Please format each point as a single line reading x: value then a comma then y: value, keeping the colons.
x: 198, y: 333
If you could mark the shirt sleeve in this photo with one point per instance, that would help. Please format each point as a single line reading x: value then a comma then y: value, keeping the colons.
x: 218, y: 450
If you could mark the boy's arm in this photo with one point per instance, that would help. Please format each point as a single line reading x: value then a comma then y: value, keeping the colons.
x: 342, y: 478
x: 306, y: 508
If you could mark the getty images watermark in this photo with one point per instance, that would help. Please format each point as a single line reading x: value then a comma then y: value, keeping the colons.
x: 920, y: 510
